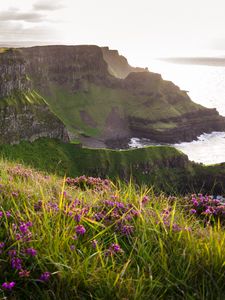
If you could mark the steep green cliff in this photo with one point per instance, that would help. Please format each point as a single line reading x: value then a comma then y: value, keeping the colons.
x: 99, y: 109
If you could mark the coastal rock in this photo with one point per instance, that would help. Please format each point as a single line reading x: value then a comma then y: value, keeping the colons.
x: 29, y: 122
x: 13, y: 77
x: 78, y: 85
x: 118, y: 65
x: 23, y: 113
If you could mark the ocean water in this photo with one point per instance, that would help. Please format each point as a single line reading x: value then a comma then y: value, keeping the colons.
x: 206, y: 86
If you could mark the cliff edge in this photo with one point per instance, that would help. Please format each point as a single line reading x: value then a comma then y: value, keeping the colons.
x: 101, y: 107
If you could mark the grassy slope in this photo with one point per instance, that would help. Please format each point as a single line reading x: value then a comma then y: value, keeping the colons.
x: 2, y: 50
x: 98, y: 102
x: 170, y: 253
x: 22, y: 98
x: 60, y: 158
x: 157, y: 166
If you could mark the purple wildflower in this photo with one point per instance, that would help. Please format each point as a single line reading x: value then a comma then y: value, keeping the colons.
x: 77, y: 217
x: 193, y: 211
x: 119, y: 204
x: 18, y: 236
x: 94, y: 243
x: 16, y: 263
x: 12, y: 253
x: 8, y: 285
x: 45, y: 276
x: 23, y: 228
x: 74, y: 237
x: 8, y: 214
x: 115, y: 248
x: 176, y: 227
x: 145, y: 200
x: 80, y: 229
x: 127, y: 229
x: 15, y: 194
x: 38, y: 205
x: 31, y: 251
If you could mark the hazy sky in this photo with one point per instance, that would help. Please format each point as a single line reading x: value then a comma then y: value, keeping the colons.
x: 139, y: 29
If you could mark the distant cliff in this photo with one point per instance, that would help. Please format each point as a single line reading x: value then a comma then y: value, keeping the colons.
x: 118, y: 65
x: 99, y: 106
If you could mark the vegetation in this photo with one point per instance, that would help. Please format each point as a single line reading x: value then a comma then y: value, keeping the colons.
x: 3, y: 49
x: 19, y: 99
x: 160, y: 166
x: 87, y: 238
x: 99, y: 101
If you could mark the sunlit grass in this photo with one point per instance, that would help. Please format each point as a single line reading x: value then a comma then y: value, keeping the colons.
x: 136, y: 245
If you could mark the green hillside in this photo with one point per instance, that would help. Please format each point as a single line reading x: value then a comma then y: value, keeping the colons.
x: 99, y: 101
x: 164, y: 168
x: 71, y: 160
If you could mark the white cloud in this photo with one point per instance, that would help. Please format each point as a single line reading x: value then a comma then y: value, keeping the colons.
x: 47, y: 5
x: 16, y: 15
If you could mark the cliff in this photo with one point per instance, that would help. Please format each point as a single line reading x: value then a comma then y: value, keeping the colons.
x: 118, y: 65
x: 98, y: 108
x: 24, y: 115
x: 13, y: 77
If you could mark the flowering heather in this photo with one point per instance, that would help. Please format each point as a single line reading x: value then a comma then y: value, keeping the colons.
x: 80, y: 229
x: 84, y: 182
x: 8, y: 285
x: 207, y: 208
x: 115, y: 248
x: 31, y: 251
x: 45, y: 276
x: 8, y: 214
x: 16, y: 263
x: 19, y: 171
x: 145, y: 200
x: 12, y: 253
x: 91, y: 239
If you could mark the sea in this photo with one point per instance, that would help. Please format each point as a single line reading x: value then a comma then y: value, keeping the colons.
x: 205, y: 85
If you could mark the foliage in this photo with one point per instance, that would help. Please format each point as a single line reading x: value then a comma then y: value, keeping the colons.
x: 154, y: 165
x: 62, y: 241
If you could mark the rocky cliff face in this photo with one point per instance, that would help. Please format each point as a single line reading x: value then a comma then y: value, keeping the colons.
x: 118, y: 65
x: 23, y: 114
x: 64, y: 65
x: 13, y: 77
x: 78, y: 87
x: 184, y: 123
x: 29, y: 122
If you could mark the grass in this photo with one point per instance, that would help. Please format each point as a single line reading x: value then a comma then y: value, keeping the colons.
x: 130, y: 243
x: 165, y: 168
x: 2, y: 50
x: 153, y: 165
x: 22, y: 98
x: 99, y: 101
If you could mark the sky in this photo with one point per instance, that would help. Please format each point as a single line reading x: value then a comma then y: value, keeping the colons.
x: 139, y: 29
